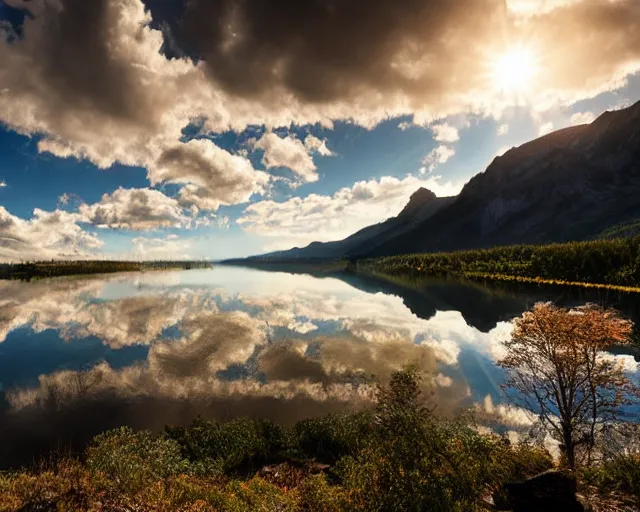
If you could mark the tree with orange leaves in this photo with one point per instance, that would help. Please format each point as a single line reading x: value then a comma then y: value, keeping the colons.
x: 556, y: 367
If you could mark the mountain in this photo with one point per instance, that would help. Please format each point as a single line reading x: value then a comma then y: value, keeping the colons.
x: 573, y: 184
x: 422, y: 204
x: 578, y: 183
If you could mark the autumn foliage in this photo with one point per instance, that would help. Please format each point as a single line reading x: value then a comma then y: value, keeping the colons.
x: 557, y: 367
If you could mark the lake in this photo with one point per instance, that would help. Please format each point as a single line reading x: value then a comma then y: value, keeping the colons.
x: 83, y: 354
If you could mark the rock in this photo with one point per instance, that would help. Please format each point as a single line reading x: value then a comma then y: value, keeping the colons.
x: 550, y: 491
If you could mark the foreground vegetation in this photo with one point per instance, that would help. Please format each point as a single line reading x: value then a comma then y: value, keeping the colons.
x: 612, y: 263
x: 397, y: 456
x: 41, y: 269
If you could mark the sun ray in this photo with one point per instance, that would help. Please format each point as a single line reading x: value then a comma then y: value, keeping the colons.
x: 515, y: 70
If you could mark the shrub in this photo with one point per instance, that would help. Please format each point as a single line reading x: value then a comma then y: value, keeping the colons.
x: 316, y: 495
x: 239, y: 446
x: 331, y: 437
x: 133, y: 459
x: 256, y: 495
x: 620, y: 474
x: 419, y: 462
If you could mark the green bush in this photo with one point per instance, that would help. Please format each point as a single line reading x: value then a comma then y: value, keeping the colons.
x: 329, y: 438
x: 239, y: 446
x: 316, y: 495
x: 419, y: 462
x: 256, y: 495
x: 621, y: 474
x: 133, y: 459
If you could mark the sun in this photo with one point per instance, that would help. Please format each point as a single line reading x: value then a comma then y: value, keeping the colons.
x: 515, y: 70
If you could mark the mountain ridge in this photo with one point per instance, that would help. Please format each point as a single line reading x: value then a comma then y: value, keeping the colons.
x: 422, y: 204
x: 571, y: 184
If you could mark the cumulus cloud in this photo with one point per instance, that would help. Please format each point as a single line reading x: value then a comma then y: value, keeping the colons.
x: 47, y: 235
x: 323, y: 218
x: 445, y: 133
x: 292, y: 153
x: 338, y: 370
x: 76, y: 309
x: 170, y: 247
x: 437, y: 156
x: 503, y: 129
x: 314, y: 144
x: 223, y: 222
x: 211, y: 342
x: 69, y: 199
x: 135, y: 209
x: 44, y: 302
x: 211, y: 175
x: 59, y: 234
x: 91, y: 77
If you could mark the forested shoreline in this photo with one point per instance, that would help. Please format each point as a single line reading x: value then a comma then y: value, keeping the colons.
x: 54, y: 268
x: 613, y: 263
x: 602, y: 263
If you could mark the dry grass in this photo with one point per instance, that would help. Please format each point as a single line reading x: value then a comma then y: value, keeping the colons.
x: 71, y: 487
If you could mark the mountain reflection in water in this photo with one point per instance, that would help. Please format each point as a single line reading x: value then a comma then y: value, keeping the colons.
x: 81, y: 355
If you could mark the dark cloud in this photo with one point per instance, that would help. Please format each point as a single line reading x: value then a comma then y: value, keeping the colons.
x: 78, y: 33
x: 325, y: 50
x: 76, y: 63
x: 95, y: 77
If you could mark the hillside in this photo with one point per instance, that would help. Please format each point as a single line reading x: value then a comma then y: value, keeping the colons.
x: 579, y: 183
x: 572, y: 184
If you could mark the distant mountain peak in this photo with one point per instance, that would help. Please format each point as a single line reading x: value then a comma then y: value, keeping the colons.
x: 422, y: 195
x: 417, y: 200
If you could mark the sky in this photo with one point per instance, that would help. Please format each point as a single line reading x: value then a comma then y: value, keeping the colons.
x: 209, y: 129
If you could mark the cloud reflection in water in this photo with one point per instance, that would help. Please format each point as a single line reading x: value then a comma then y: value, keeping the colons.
x: 222, y: 343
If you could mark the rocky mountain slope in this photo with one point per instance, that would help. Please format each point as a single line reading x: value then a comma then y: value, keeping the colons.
x: 422, y: 204
x: 574, y: 184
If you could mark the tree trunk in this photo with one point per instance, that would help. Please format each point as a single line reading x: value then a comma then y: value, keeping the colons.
x: 569, y: 447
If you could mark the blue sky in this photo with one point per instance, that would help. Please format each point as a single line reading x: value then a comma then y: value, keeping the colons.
x: 147, y: 140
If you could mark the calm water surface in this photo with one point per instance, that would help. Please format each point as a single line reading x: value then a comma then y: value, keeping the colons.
x: 80, y: 355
